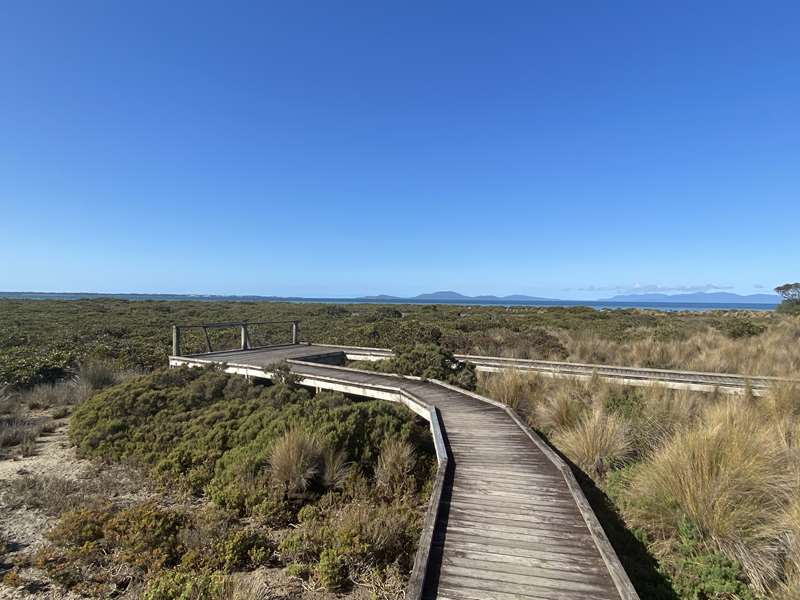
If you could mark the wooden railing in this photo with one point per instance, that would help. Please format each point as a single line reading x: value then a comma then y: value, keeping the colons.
x: 245, y: 344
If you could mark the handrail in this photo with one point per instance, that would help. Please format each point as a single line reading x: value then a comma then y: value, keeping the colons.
x: 231, y: 323
x: 243, y: 326
x: 628, y: 374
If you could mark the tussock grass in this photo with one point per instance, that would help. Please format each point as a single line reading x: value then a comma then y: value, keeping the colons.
x: 563, y: 406
x: 296, y: 460
x: 597, y: 443
x: 8, y: 401
x: 55, y: 395
x: 97, y: 374
x: 734, y: 477
x: 516, y: 389
x: 51, y: 494
x: 244, y: 587
x: 395, y: 471
x: 17, y: 430
x: 774, y: 352
x: 704, y: 477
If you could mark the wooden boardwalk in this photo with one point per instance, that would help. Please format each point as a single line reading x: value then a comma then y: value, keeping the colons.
x: 511, y: 521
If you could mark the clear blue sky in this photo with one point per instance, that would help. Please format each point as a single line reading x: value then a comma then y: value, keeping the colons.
x: 566, y: 149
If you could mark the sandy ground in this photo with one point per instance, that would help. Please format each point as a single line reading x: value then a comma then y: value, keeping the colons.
x: 24, y: 528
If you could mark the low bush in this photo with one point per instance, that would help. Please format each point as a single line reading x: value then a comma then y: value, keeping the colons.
x: 428, y: 361
x: 356, y: 499
x: 185, y: 585
x: 25, y: 365
x: 51, y: 494
x: 165, y: 546
x: 354, y: 538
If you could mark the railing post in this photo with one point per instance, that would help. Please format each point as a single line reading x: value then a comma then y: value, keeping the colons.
x: 294, y: 332
x: 244, y: 336
x: 176, y: 340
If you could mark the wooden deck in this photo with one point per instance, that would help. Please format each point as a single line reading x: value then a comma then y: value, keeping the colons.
x: 511, y: 521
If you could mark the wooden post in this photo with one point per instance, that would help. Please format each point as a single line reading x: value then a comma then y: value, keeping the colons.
x: 176, y: 340
x: 244, y: 336
x: 294, y: 332
x: 208, y: 339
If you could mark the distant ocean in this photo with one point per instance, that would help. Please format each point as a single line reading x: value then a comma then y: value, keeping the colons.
x: 666, y: 306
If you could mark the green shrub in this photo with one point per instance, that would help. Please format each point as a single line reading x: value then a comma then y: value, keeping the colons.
x: 242, y: 548
x: 29, y: 365
x: 428, y: 361
x: 789, y: 307
x: 185, y: 585
x: 737, y: 328
x: 208, y: 430
x: 81, y: 527
x: 699, y: 573
x: 147, y: 536
x: 332, y: 570
x: 624, y: 401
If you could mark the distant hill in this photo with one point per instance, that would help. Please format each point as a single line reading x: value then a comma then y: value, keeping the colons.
x: 701, y: 297
x: 449, y: 295
x: 441, y: 296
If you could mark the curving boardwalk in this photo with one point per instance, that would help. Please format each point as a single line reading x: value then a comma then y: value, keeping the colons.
x: 507, y: 518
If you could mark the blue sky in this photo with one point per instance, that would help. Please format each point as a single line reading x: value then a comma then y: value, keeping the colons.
x: 564, y: 149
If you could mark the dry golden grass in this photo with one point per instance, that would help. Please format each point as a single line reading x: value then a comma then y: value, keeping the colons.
x: 776, y: 352
x: 516, y: 389
x: 295, y: 461
x: 730, y: 465
x: 597, y: 443
x: 562, y: 407
x: 732, y: 476
x: 395, y: 471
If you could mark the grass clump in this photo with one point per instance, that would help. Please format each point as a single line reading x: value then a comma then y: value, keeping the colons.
x: 296, y: 464
x: 15, y: 430
x: 598, y: 443
x: 394, y: 475
x: 55, y: 395
x: 731, y: 477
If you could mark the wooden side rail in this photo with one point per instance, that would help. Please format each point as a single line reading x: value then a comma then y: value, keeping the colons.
x: 244, y: 343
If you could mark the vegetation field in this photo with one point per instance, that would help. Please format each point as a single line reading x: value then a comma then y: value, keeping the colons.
x: 42, y: 340
x: 250, y: 484
x: 240, y: 485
